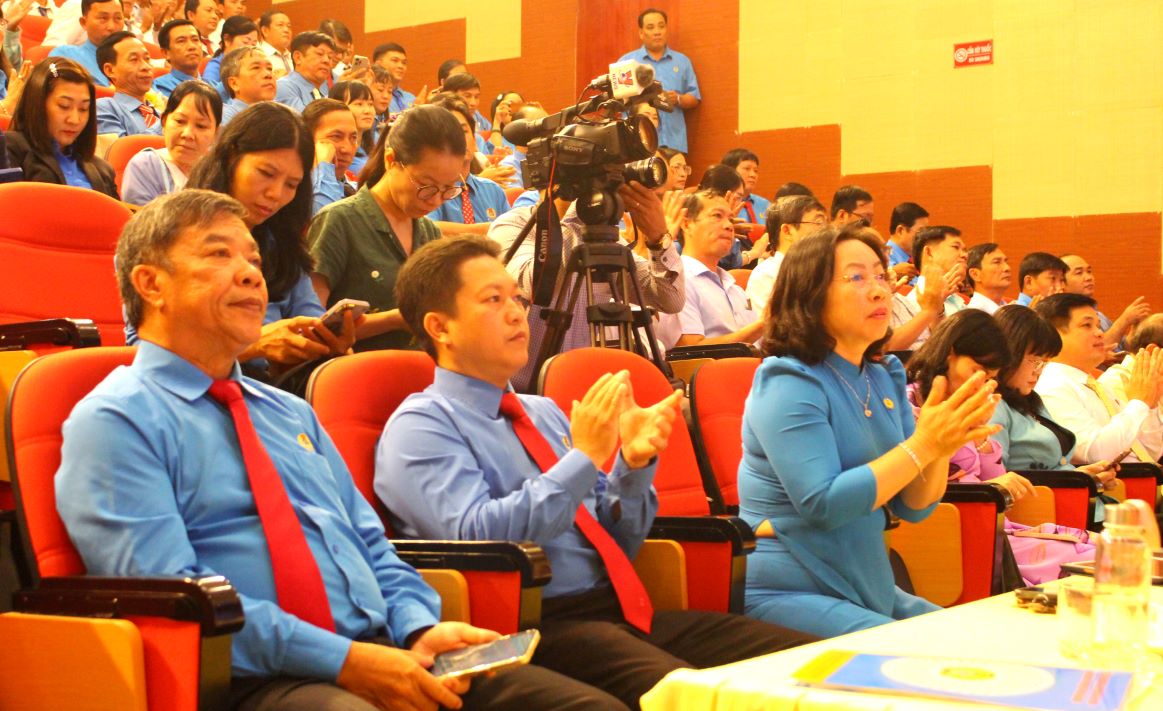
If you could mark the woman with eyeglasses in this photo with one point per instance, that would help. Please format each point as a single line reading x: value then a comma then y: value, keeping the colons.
x: 830, y: 444
x: 677, y: 169
x: 360, y: 243
x: 966, y: 343
x: 1028, y: 437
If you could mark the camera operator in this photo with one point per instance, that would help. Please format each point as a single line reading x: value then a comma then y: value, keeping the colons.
x: 659, y: 275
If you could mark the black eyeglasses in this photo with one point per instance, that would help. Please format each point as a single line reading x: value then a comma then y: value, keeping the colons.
x: 427, y: 192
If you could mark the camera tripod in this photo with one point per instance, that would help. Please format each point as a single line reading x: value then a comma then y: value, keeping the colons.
x: 600, y: 259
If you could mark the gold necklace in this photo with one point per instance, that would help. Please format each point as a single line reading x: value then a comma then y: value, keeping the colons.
x: 867, y: 385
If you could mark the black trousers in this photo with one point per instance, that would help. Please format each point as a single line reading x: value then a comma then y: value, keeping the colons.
x: 588, y: 658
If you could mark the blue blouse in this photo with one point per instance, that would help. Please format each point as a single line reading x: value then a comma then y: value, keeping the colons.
x: 806, y: 450
x: 1027, y: 443
x: 70, y: 169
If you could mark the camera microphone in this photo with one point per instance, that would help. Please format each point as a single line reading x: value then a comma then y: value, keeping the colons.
x: 625, y: 79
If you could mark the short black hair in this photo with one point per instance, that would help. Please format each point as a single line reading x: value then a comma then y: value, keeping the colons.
x: 793, y: 188
x: 460, y: 82
x: 385, y: 48
x: 311, y: 38
x: 163, y: 35
x: 86, y: 4
x: 969, y: 332
x: 336, y: 30
x: 107, y: 51
x: 735, y: 156
x: 268, y: 17
x: 787, y: 210
x: 846, y: 198
x: 927, y: 236
x: 978, y: 253
x: 720, y: 178
x: 1056, y: 308
x: 430, y: 280
x: 1025, y: 333
x: 651, y: 11
x: 1035, y: 263
x: 445, y: 69
x: 237, y: 26
x: 905, y: 215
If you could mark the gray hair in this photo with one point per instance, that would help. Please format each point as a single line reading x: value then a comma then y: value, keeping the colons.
x: 149, y: 235
x: 232, y: 65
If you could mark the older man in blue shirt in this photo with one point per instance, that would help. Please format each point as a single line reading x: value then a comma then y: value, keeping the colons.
x: 177, y: 495
x: 314, y: 54
x: 469, y: 459
x: 673, y: 70
x: 99, y: 19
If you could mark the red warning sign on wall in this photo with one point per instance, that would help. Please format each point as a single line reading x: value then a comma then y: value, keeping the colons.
x: 968, y: 54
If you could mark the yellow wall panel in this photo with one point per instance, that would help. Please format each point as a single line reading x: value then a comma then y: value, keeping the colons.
x: 1069, y: 116
x: 493, y: 29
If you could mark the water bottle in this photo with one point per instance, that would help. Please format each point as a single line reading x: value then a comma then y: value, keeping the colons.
x: 1122, y: 589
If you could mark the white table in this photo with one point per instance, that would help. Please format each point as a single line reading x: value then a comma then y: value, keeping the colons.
x: 994, y: 628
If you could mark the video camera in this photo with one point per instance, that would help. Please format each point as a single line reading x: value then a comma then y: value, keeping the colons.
x: 575, y: 152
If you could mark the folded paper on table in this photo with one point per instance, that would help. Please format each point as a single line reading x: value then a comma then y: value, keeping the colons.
x: 1020, y: 685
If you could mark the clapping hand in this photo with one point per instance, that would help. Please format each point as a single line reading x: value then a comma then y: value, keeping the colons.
x: 948, y: 420
x: 593, y: 422
x: 1146, y: 375
x: 645, y: 431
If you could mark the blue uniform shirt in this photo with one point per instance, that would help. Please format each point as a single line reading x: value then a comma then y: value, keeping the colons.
x: 213, y: 71
x: 675, y: 72
x: 296, y: 91
x: 231, y: 109
x: 85, y: 55
x: 449, y: 466
x: 173, y: 498
x: 121, y: 114
x: 516, y: 160
x: 487, y: 198
x: 166, y: 83
x: 401, y: 100
x: 74, y: 176
x: 758, y: 205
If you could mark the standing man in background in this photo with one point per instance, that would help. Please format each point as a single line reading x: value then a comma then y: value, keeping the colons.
x: 673, y: 70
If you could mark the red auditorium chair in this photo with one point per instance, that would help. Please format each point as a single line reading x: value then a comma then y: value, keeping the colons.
x: 37, y: 53
x: 741, y: 277
x: 504, y: 578
x: 513, y: 193
x: 716, y: 546
x: 125, y: 148
x: 56, y: 256
x: 155, y: 51
x: 76, y: 641
x: 1142, y: 481
x: 5, y: 122
x: 33, y: 29
x: 718, y: 394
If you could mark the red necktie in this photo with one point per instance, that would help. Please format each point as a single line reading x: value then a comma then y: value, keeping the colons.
x: 466, y: 208
x: 636, y: 607
x: 298, y: 583
x: 149, y: 114
x: 756, y: 232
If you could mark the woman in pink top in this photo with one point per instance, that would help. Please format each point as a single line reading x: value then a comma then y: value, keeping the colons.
x: 966, y: 343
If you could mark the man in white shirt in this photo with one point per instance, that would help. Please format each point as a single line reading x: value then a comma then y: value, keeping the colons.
x: 788, y: 220
x: 1104, y: 425
x: 1080, y: 280
x: 989, y: 269
x: 274, y: 29
x: 66, y: 26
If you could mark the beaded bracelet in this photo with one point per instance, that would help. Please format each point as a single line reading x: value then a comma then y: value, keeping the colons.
x: 915, y: 458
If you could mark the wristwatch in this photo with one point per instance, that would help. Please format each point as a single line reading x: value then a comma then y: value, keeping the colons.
x: 662, y: 244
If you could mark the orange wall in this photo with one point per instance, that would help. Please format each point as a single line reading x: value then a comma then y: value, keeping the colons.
x: 554, y: 65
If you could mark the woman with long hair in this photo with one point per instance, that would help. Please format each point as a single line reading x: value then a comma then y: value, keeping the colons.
x: 966, y: 343
x: 53, y: 134
x: 829, y: 443
x: 262, y: 159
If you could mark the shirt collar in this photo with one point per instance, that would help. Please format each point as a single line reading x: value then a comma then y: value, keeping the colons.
x: 477, y: 394
x: 365, y: 204
x: 128, y: 101
x: 694, y: 268
x: 182, y: 76
x: 644, y: 53
x: 1065, y: 372
x: 301, y: 81
x: 898, y: 251
x: 178, y: 375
